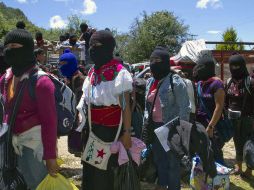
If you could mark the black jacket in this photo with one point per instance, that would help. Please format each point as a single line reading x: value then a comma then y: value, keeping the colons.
x: 190, y: 139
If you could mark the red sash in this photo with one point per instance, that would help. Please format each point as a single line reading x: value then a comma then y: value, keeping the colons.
x: 108, y: 116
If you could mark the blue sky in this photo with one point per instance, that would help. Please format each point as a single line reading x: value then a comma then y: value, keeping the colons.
x: 206, y: 18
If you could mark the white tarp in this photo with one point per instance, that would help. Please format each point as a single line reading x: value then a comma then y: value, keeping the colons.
x: 193, y: 51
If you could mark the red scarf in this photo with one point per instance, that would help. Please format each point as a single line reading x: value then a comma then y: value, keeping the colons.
x: 107, y: 72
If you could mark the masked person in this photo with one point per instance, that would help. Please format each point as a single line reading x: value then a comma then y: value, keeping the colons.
x: 106, y: 95
x: 68, y: 66
x: 210, y: 95
x: 166, y: 98
x: 34, y: 132
x: 240, y: 106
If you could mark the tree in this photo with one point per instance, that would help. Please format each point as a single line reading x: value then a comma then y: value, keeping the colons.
x: 74, y: 22
x: 159, y: 28
x: 230, y: 35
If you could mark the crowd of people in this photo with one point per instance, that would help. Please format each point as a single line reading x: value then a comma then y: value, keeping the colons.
x: 106, y: 100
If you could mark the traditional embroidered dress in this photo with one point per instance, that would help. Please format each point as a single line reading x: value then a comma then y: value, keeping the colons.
x: 107, y: 84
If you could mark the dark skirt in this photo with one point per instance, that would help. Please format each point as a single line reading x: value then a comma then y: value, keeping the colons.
x: 243, y: 131
x: 96, y: 179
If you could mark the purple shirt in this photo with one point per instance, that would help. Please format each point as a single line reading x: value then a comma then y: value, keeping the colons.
x: 208, y: 89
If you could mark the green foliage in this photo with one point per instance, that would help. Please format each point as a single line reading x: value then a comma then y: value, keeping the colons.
x: 159, y: 28
x: 74, y: 22
x: 10, y: 16
x: 230, y: 35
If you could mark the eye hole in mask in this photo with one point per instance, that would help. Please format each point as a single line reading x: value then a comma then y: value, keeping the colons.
x: 235, y: 67
x: 95, y: 44
x: 155, y: 60
x: 12, y: 45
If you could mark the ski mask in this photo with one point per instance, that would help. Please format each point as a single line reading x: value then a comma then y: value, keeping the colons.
x: 204, y: 70
x: 71, y: 66
x: 20, y: 59
x: 159, y: 63
x: 237, y: 66
x: 102, y: 45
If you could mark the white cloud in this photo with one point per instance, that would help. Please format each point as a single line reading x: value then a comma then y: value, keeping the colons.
x: 57, y: 22
x: 27, y: 1
x: 22, y: 1
x: 214, y: 32
x: 203, y: 4
x: 89, y: 7
x: 64, y: 1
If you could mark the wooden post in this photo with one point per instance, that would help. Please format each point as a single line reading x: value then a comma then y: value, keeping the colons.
x: 222, y: 67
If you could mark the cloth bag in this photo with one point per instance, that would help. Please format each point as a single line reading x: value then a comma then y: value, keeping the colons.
x: 97, y: 152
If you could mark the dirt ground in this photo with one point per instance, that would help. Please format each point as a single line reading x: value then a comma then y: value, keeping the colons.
x: 72, y: 167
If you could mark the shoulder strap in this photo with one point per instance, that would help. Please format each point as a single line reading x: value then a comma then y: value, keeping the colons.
x: 2, y: 83
x: 10, y: 160
x: 171, y: 82
x: 247, y: 84
x: 150, y: 116
x: 228, y: 83
x: 17, y: 103
x: 89, y: 114
x: 201, y: 101
x: 33, y: 77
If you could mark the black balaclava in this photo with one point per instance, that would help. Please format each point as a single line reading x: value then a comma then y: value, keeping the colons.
x: 102, y: 44
x: 159, y: 63
x: 73, y: 39
x: 204, y: 70
x: 20, y: 59
x: 242, y: 71
x: 83, y: 27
